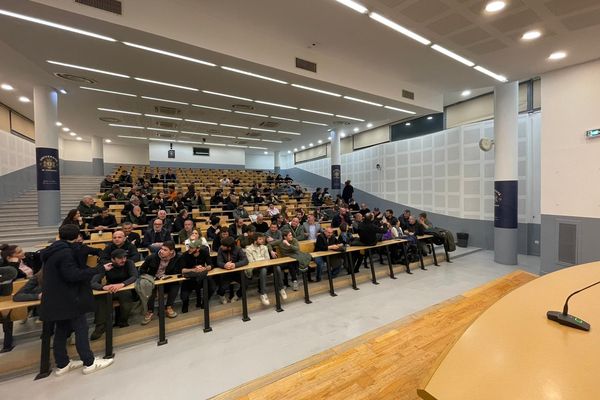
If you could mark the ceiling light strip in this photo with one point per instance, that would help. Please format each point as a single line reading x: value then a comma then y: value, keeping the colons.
x: 162, y: 130
x: 127, y: 126
x: 275, y: 104
x: 371, y: 103
x: 211, y: 108
x: 165, y: 100
x: 166, y: 84
x: 271, y: 141
x: 99, y: 71
x: 400, y: 110
x: 315, y: 111
x: 285, y: 119
x: 253, y: 114
x: 168, y: 53
x: 118, y: 111
x: 314, y: 123
x: 200, y: 122
x: 248, y: 138
x: 163, y: 117
x: 350, y: 118
x: 452, y: 55
x: 289, y: 133
x: 107, y: 91
x: 195, y: 133
x: 316, y: 90
x: 494, y: 75
x: 399, y: 28
x: 234, y: 126
x: 263, y: 130
x: 239, y: 71
x: 132, y: 137
x: 226, y: 95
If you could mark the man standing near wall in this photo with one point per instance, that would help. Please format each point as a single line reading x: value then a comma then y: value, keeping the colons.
x: 348, y: 192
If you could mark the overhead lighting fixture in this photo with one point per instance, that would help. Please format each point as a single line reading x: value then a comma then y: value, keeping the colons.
x: 295, y: 149
x: 163, y: 130
x: 315, y: 111
x: 196, y: 121
x: 314, y: 123
x: 320, y: 141
x: 303, y: 147
x: 271, y: 141
x: 399, y: 28
x: 211, y: 108
x: 168, y: 53
x: 7, y: 87
x: 55, y: 25
x: 234, y: 126
x: 226, y: 95
x: 63, y: 91
x: 465, y: 93
x: 289, y: 152
x: 214, y: 144
x: 127, y: 126
x: 266, y: 152
x: 78, y: 138
x: 430, y: 118
x: 491, y: 74
x: 351, y: 118
x: 495, y: 6
x: 289, y: 133
x: 369, y: 125
x: 263, y: 130
x: 188, y: 141
x: 310, y: 145
x: 285, y: 119
x: 195, y: 133
x: 237, y: 145
x: 223, y: 136
x: 356, y: 129
x: 363, y: 101
x: 132, y: 137
x: 99, y: 71
x: 65, y: 129
x: 316, y: 90
x: 107, y: 141
x: 107, y: 91
x: 183, y: 103
x: 256, y: 147
x: 400, y: 110
x: 248, y: 138
x: 452, y: 55
x: 161, y: 140
x: 166, y: 84
x: 354, y: 5
x: 342, y: 135
x: 72, y: 134
x: 329, y: 138
x: 275, y: 104
x: 253, y: 114
x: 407, y: 124
x: 118, y: 111
x: 557, y: 55
x: 163, y: 117
x: 24, y: 99
x: 58, y: 123
x: 531, y: 35
x: 239, y: 71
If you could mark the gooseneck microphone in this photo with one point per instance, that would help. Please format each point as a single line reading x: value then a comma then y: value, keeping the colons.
x: 564, y: 318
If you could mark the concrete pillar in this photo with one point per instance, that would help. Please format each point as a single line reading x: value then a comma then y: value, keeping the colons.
x: 45, y: 113
x: 97, y: 156
x: 277, y: 164
x: 506, y: 185
x: 336, y: 167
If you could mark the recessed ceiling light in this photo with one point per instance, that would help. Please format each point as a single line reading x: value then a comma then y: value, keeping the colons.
x: 72, y: 134
x: 58, y: 123
x: 289, y: 133
x: 227, y: 95
x: 363, y: 101
x: 24, y: 99
x: 316, y: 90
x: 557, y: 55
x: 452, y: 55
x: 315, y: 111
x: 253, y: 114
x: 356, y: 129
x: 268, y: 103
x: 239, y: 71
x: 271, y: 141
x: 132, y: 137
x: 166, y: 84
x: 266, y: 152
x: 234, y: 126
x: 165, y: 100
x: 285, y: 119
x: 7, y: 87
x: 63, y: 91
x: 211, y: 108
x: 118, y: 111
x: 320, y: 141
x: 162, y: 117
x: 126, y: 126
x: 65, y: 129
x: 407, y: 124
x: 354, y: 5
x: 162, y: 130
x: 223, y: 136
x: 55, y: 25
x: 256, y: 147
x: 107, y: 91
x: 263, y: 130
x: 351, y: 118
x: 330, y: 138
x: 369, y: 125
x: 289, y: 152
x: 168, y: 53
x: 465, y: 93
x: 400, y: 110
x: 430, y: 117
x: 99, y: 71
x: 342, y: 134
x: 303, y: 147
x: 310, y: 145
x: 495, y: 6
x: 314, y: 123
x: 531, y: 35
x: 295, y: 149
x: 107, y: 141
x: 200, y: 122
x: 78, y: 138
x: 490, y: 73
x: 195, y: 133
x: 399, y: 28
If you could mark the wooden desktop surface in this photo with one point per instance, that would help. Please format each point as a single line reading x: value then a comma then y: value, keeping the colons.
x: 512, y: 351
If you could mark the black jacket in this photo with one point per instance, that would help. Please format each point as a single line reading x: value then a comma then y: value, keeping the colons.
x: 134, y: 238
x: 151, y: 236
x: 110, y: 221
x: 347, y: 193
x: 82, y: 251
x: 235, y: 255
x: 66, y: 285
x: 322, y: 242
x: 127, y: 274
x: 88, y: 211
x: 233, y: 230
x: 152, y: 262
x: 367, y: 233
x: 132, y: 253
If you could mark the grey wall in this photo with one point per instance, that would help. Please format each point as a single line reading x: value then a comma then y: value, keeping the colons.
x: 16, y: 182
x: 69, y: 167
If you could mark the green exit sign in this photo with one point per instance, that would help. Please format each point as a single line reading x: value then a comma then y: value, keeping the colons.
x: 594, y: 133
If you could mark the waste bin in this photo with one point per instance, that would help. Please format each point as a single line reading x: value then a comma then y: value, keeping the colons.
x: 462, y: 239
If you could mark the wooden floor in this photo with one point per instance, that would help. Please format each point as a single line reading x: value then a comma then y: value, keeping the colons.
x: 388, y: 363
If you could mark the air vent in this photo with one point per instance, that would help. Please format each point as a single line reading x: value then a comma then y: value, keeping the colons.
x: 213, y: 131
x: 306, y: 65
x: 285, y: 139
x: 164, y: 135
x: 340, y: 123
x: 75, y: 78
x: 254, y: 134
x: 240, y: 142
x: 242, y: 107
x: 567, y: 243
x: 408, y: 95
x: 167, y: 110
x: 166, y: 124
x: 113, y: 6
x: 269, y: 124
x: 110, y: 120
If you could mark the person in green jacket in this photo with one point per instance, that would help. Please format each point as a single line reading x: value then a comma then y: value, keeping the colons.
x: 289, y: 247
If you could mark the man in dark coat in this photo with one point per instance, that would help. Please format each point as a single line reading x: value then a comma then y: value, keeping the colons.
x: 67, y: 297
x: 348, y: 192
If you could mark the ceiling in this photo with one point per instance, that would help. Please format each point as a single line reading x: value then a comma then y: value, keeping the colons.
x: 269, y: 32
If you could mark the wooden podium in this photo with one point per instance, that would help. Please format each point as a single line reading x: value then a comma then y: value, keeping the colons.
x: 513, y: 352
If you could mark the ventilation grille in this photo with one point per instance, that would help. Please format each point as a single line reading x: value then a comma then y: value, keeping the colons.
x: 75, y: 78
x: 269, y: 124
x: 253, y: 134
x: 112, y: 6
x: 242, y: 107
x: 567, y: 243
x: 166, y: 124
x: 408, y: 95
x: 240, y: 142
x: 164, y: 135
x: 306, y: 65
x: 167, y: 110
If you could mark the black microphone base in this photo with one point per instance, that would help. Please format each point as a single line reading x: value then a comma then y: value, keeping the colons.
x: 568, y: 320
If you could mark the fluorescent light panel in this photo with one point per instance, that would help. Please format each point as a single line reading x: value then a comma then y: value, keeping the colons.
x: 253, y: 114
x: 316, y: 90
x: 127, y: 126
x: 195, y: 133
x: 354, y: 5
x: 108, y: 91
x: 234, y: 126
x: 248, y: 138
x: 165, y: 100
x: 263, y: 130
x: 223, y: 136
x: 160, y: 140
x: 363, y: 101
x: 214, y: 144
x: 314, y: 123
x: 289, y: 133
x: 351, y: 118
x: 271, y: 141
x: 166, y: 84
x: 200, y: 122
x: 211, y: 108
x: 490, y: 73
x: 99, y: 71
x: 163, y: 117
x: 163, y: 130
x: 285, y: 119
x: 170, y: 54
x: 275, y: 104
x: 239, y: 71
x: 399, y: 28
x: 452, y: 55
x: 226, y: 95
x: 237, y: 145
x: 315, y: 111
x: 118, y: 111
x: 400, y: 110
x: 256, y: 147
x: 132, y: 137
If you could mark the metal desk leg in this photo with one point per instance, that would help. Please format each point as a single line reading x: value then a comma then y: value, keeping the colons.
x: 245, y: 317
x: 161, y: 316
x: 447, y: 255
x: 330, y: 278
x: 351, y: 267
x: 373, y: 277
x: 420, y: 255
x: 404, y: 246
x: 206, y: 300
x: 435, y: 262
x: 389, y: 256
x: 108, y: 346
x: 305, y: 284
x: 7, y: 327
x: 277, y: 289
x: 45, y: 369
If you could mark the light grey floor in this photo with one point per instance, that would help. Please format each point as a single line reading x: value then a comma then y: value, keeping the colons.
x: 202, y: 365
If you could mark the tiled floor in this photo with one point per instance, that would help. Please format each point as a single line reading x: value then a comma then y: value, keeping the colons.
x: 201, y: 365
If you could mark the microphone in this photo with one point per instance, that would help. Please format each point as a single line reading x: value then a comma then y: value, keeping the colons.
x: 564, y: 318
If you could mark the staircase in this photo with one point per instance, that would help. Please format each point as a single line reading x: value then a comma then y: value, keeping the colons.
x: 19, y: 216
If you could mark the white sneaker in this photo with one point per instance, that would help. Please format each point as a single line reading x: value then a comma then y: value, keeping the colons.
x: 283, y: 294
x: 99, y: 363
x: 73, y: 364
x: 264, y: 300
x: 295, y: 286
x: 235, y: 298
x: 223, y: 299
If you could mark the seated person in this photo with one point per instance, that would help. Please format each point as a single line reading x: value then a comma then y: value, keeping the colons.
x: 131, y: 236
x: 238, y: 228
x: 217, y: 199
x: 213, y: 230
x: 169, y: 176
x: 156, y: 204
x: 317, y: 198
x: 223, y: 233
x: 156, y: 236
x: 247, y: 238
x: 389, y: 217
x: 327, y: 241
x: 115, y: 194
x: 240, y: 212
x: 342, y: 216
x: 32, y: 290
x: 103, y: 221
x: 133, y: 201
x: 296, y: 229
x: 230, y: 257
x: 136, y: 216
x: 258, y: 251
x: 424, y: 221
x: 122, y: 272
x: 367, y: 236
x: 119, y: 242
x: 311, y: 228
x: 167, y: 222
x: 195, y: 264
x: 74, y: 218
x: 14, y: 256
x: 195, y: 236
x: 260, y: 225
x: 183, y: 216
x: 87, y: 207
x: 273, y: 235
x: 186, y: 232
x: 272, y: 210
x: 225, y: 181
x: 289, y: 248
x: 353, y: 205
x: 404, y: 219
x: 235, y: 181
x: 345, y: 237
x: 107, y: 183
x: 157, y: 265
x: 125, y: 179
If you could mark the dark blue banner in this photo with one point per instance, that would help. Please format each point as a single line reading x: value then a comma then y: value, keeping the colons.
x: 506, y: 204
x: 48, y: 176
x: 336, y: 177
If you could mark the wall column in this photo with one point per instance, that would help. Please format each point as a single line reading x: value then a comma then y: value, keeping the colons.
x: 506, y: 184
x: 277, y: 163
x: 336, y: 167
x: 97, y: 156
x: 45, y: 113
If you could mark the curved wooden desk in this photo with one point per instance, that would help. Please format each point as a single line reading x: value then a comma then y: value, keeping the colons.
x: 513, y: 352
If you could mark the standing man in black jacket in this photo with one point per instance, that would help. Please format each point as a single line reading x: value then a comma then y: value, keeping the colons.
x: 348, y: 192
x: 67, y: 297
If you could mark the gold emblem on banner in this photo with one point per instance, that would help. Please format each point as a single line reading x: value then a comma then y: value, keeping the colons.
x: 49, y: 163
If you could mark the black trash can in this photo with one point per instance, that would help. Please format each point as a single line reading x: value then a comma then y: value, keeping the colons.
x: 462, y: 239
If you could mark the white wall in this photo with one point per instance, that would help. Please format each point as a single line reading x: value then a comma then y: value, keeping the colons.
x: 74, y: 150
x: 158, y: 152
x: 260, y: 161
x: 570, y: 172
x: 16, y: 153
x: 126, y: 154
